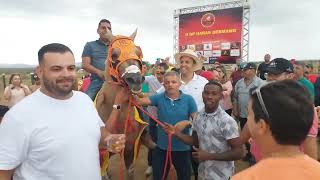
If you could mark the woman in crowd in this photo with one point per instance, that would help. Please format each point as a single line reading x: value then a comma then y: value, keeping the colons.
x: 225, y: 102
x: 16, y: 91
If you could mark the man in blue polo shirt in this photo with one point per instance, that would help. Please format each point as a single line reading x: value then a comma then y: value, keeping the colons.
x: 175, y: 108
x: 94, y: 56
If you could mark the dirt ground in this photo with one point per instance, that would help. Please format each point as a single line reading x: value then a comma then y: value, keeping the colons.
x: 141, y: 166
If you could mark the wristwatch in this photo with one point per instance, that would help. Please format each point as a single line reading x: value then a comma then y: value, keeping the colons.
x: 116, y: 106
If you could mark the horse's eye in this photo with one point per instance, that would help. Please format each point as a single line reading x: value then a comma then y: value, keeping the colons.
x: 114, y: 56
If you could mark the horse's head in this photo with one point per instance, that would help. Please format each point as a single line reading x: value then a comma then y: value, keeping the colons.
x: 124, y: 60
x: 130, y: 72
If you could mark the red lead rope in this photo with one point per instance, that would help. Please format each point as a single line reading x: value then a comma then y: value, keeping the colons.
x: 128, y: 123
x: 168, y: 156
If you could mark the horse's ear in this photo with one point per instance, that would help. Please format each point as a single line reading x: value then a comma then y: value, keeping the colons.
x: 139, y: 52
x: 134, y: 34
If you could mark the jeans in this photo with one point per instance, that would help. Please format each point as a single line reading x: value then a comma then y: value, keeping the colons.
x: 181, y: 162
x: 94, y: 87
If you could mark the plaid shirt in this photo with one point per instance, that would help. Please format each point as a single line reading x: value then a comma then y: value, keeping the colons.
x: 213, y: 131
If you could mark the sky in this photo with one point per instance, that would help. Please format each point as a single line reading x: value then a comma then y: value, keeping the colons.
x: 283, y: 28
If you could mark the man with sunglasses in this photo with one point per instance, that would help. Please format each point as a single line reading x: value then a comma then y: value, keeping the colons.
x: 94, y: 56
x: 281, y: 69
x: 280, y: 115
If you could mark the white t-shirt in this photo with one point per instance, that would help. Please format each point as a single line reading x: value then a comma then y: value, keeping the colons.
x: 50, y: 139
x: 194, y: 88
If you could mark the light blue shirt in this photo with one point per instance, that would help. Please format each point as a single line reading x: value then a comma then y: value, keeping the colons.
x: 241, y: 94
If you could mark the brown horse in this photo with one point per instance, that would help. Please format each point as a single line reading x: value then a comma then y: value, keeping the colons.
x: 123, y: 70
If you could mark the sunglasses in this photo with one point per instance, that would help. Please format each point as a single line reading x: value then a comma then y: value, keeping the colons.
x: 260, y: 99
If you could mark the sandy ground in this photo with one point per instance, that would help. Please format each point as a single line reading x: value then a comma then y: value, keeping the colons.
x: 141, y: 166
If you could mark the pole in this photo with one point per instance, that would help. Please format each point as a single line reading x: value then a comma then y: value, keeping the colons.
x: 32, y: 78
x: 4, y: 80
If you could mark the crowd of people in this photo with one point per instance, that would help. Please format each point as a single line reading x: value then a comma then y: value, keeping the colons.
x: 265, y: 115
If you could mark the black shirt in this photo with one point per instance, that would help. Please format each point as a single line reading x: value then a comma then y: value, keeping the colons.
x: 263, y: 70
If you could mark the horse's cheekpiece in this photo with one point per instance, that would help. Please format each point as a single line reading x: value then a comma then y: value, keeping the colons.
x: 127, y: 52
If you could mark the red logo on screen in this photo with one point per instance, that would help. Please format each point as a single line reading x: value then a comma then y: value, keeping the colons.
x: 208, y: 20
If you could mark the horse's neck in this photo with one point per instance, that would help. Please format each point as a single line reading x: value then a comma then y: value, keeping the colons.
x: 106, y: 73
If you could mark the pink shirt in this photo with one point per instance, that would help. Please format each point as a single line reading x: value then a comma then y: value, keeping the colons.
x: 225, y: 102
x: 16, y: 95
x: 256, y: 152
x: 85, y: 84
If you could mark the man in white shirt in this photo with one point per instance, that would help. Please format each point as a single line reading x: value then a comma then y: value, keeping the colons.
x: 55, y: 133
x: 192, y: 84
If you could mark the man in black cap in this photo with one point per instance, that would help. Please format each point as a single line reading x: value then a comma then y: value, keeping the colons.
x: 241, y: 96
x: 279, y: 69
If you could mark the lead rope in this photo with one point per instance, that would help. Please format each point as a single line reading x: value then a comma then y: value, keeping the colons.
x: 168, y: 155
x: 125, y: 132
x: 169, y: 148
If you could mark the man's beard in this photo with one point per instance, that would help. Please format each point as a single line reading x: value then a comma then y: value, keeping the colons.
x: 55, y: 89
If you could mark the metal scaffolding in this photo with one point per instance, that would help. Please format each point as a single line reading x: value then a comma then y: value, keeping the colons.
x: 226, y: 5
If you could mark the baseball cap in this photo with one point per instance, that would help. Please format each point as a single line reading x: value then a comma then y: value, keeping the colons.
x: 249, y: 65
x: 242, y: 64
x: 280, y: 65
x: 208, y: 75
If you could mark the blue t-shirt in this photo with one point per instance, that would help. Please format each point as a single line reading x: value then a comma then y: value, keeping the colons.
x: 172, y: 112
x: 98, y: 53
